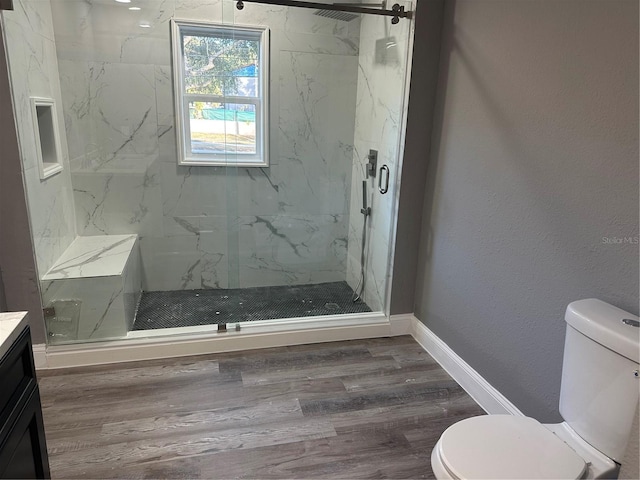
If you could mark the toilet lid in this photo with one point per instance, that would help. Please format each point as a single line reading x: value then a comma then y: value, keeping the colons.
x: 509, y: 447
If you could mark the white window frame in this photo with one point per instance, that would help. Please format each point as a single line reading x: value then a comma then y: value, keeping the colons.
x: 182, y: 99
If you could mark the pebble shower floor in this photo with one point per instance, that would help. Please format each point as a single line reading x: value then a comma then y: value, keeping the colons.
x: 186, y: 308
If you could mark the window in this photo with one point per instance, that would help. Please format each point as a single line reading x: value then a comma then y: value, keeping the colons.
x: 220, y: 80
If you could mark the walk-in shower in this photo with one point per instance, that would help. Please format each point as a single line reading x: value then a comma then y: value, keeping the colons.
x: 221, y: 160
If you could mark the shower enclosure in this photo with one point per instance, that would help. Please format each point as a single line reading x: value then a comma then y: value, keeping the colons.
x: 219, y: 162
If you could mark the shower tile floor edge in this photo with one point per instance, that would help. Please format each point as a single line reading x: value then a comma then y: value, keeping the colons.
x: 186, y: 308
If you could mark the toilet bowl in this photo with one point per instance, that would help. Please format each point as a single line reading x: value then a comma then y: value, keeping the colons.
x: 515, y: 447
x: 598, y: 399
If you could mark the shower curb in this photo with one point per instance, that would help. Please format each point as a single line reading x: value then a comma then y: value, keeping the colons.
x: 261, y: 335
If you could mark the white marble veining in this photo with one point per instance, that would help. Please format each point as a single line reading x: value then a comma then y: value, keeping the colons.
x: 194, y: 256
x: 96, y: 256
x: 131, y: 287
x: 193, y: 221
x: 164, y: 98
x: 11, y: 326
x: 379, y: 112
x: 316, y: 129
x: 101, y: 31
x: 51, y: 214
x: 102, y: 276
x: 188, y: 191
x: 119, y: 201
x: 110, y: 113
x: 202, y: 227
x: 292, y: 249
x: 31, y: 54
x: 101, y: 303
x: 334, y: 95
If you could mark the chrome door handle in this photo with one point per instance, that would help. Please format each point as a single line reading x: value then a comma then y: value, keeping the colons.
x: 384, y: 189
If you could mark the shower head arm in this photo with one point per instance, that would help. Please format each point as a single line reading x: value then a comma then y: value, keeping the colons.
x: 367, y: 5
x: 397, y: 11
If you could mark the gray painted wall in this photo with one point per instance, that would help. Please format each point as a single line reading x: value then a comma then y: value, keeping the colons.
x: 422, y: 99
x: 3, y: 297
x: 534, y: 172
x: 17, y: 262
x: 630, y: 464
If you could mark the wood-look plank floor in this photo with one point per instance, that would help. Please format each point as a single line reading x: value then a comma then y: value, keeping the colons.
x: 356, y: 409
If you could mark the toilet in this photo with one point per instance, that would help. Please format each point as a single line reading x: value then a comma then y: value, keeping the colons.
x: 598, y: 400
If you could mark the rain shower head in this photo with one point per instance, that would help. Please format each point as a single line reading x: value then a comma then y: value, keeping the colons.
x: 336, y: 15
x: 347, y: 16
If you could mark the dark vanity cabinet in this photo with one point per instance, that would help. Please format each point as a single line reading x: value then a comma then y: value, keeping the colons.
x: 23, y: 451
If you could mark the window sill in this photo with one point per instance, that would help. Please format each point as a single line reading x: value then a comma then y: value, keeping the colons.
x: 48, y: 170
x: 221, y: 163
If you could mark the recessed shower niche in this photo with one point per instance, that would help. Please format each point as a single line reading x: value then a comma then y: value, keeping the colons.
x: 45, y: 126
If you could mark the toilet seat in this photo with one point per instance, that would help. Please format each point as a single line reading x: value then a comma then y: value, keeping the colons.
x: 505, y: 447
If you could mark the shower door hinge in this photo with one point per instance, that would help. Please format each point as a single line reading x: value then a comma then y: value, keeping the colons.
x: 6, y: 4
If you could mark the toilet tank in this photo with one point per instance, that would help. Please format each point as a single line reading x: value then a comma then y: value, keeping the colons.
x: 599, y: 392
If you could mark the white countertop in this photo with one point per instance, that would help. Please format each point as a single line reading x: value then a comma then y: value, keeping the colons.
x: 11, y: 325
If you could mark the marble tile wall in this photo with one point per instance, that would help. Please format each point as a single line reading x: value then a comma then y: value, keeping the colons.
x: 102, y: 275
x: 382, y: 65
x: 210, y: 227
x: 33, y: 66
x: 101, y: 305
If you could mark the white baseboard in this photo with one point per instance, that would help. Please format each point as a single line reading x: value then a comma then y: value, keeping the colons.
x: 402, y: 324
x: 487, y: 396
x: 39, y: 355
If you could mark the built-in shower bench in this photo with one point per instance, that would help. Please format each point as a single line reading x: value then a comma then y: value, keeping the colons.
x: 92, y: 290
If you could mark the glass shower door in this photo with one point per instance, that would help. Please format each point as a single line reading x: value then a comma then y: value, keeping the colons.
x: 284, y: 236
x: 293, y: 214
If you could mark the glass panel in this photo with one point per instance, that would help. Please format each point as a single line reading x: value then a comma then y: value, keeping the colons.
x: 224, y: 94
x: 209, y: 244
x: 234, y: 306
x: 220, y: 66
x: 218, y: 128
